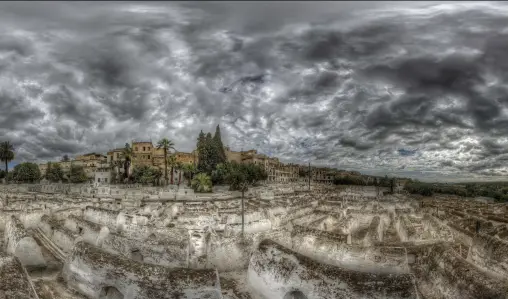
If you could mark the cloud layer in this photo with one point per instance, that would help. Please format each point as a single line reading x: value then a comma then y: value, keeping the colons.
x: 409, y: 89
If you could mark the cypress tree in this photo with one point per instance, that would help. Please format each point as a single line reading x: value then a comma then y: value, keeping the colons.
x: 209, y: 154
x: 201, y: 150
x: 221, y: 154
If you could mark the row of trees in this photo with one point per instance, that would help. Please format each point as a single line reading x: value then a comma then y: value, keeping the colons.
x: 498, y: 191
x: 213, y: 163
x: 210, y: 151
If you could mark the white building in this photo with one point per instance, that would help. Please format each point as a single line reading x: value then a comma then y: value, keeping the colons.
x: 103, y: 177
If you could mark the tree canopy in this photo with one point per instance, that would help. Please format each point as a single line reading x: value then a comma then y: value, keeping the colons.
x: 54, y: 172
x: 26, y: 172
x: 210, y: 151
x: 202, y: 183
x: 146, y: 175
x: 238, y: 175
x: 77, y: 174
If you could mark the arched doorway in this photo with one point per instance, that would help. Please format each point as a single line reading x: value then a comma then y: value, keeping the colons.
x: 295, y: 295
x: 110, y: 293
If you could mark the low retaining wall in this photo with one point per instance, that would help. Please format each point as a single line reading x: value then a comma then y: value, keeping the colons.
x: 443, y: 274
x: 22, y: 245
x: 276, y: 271
x: 14, y: 283
x: 101, y: 216
x: 62, y: 214
x: 332, y: 249
x: 169, y: 255
x: 29, y: 219
x: 63, y: 238
x: 490, y: 253
x: 87, y: 230
x: 89, y: 271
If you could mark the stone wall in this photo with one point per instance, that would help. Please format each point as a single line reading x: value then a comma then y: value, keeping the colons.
x: 443, y: 274
x: 22, y: 245
x: 14, y: 283
x: 169, y: 255
x: 490, y: 253
x: 29, y: 219
x: 86, y: 230
x: 101, y: 216
x: 88, y: 270
x: 257, y: 226
x: 332, y: 249
x: 276, y: 271
x: 63, y: 238
x: 62, y: 214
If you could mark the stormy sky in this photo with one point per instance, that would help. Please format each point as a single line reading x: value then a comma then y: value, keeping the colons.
x: 408, y: 89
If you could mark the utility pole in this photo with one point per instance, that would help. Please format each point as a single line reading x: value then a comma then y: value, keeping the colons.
x: 243, y: 213
x: 309, y: 175
x: 243, y: 187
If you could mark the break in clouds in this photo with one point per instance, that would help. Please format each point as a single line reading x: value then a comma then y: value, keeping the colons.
x: 407, y: 89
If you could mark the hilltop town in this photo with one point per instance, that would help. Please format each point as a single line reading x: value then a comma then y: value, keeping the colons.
x: 109, y: 168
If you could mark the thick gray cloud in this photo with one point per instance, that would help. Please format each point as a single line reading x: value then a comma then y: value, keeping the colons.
x: 349, y: 85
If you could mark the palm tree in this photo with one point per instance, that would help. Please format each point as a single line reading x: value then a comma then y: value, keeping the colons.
x: 6, y: 154
x: 171, y: 161
x: 189, y: 170
x: 157, y: 177
x: 127, y: 154
x: 179, y: 167
x: 116, y: 166
x: 166, y: 145
x: 202, y: 183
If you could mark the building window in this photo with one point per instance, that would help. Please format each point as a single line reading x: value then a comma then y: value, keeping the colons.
x: 143, y: 148
x: 148, y: 157
x: 136, y: 148
x: 105, y: 180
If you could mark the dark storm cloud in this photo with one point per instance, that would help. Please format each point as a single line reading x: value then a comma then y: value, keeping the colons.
x: 348, y: 142
x: 405, y: 152
x: 15, y: 113
x: 19, y: 46
x: 341, y: 84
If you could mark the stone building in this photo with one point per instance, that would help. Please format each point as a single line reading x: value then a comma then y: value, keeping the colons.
x: 103, y: 175
x: 114, y: 155
x: 143, y: 153
x: 233, y: 155
x: 323, y: 175
x: 91, y: 163
x: 185, y: 158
